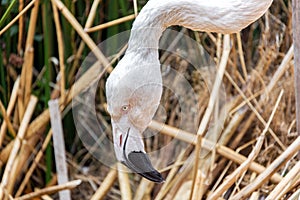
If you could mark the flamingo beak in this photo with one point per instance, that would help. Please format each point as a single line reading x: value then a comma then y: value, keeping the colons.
x: 135, y: 158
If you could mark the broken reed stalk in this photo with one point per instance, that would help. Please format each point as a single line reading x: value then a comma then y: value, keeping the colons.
x: 208, y: 145
x: 296, y: 39
x: 59, y: 147
x: 210, y: 107
x: 17, y: 144
x: 230, y: 180
x: 270, y: 170
x: 50, y: 190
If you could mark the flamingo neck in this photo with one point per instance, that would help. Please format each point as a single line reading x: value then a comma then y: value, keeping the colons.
x: 211, y: 16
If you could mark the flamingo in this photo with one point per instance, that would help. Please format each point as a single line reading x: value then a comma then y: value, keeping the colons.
x: 134, y: 87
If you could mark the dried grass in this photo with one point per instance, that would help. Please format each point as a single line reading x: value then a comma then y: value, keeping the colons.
x: 254, y: 155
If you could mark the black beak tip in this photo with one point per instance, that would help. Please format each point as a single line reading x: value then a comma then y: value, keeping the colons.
x: 140, y: 163
x: 154, y: 176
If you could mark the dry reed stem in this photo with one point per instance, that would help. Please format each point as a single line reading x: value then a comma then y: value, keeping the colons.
x: 241, y: 55
x: 135, y: 8
x: 143, y: 189
x: 283, y: 67
x: 285, y: 185
x: 211, y: 105
x: 106, y: 184
x: 184, y: 191
x: 61, y: 56
x: 4, y: 154
x: 21, y: 27
x: 296, y: 39
x: 165, y: 187
x: 275, y: 78
x: 183, y: 175
x: 88, y: 24
x: 124, y: 182
x: 196, y: 171
x: 17, y: 17
x: 230, y: 180
x: 111, y: 23
x: 17, y: 144
x: 295, y: 196
x: 59, y: 147
x: 27, y: 67
x: 208, y: 145
x: 226, y: 136
x: 221, y: 176
x: 90, y: 43
x: 216, y: 86
x: 92, y: 14
x: 270, y: 170
x: 34, y: 164
x: 198, y: 184
x: 260, y: 118
x: 6, y: 120
x: 218, y: 44
x: 243, y: 103
x: 26, y: 151
x: 231, y: 127
x: 26, y: 74
x: 50, y: 190
x: 10, y: 107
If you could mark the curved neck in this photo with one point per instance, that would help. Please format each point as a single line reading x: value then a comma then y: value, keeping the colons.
x: 211, y: 16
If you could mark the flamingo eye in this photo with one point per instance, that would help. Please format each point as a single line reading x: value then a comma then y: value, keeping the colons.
x: 125, y: 108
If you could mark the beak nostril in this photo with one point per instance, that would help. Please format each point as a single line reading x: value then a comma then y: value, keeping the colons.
x: 120, y: 140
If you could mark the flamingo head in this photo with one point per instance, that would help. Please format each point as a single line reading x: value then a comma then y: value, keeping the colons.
x: 133, y: 92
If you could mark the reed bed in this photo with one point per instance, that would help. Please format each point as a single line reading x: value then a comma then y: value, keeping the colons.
x: 251, y: 154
